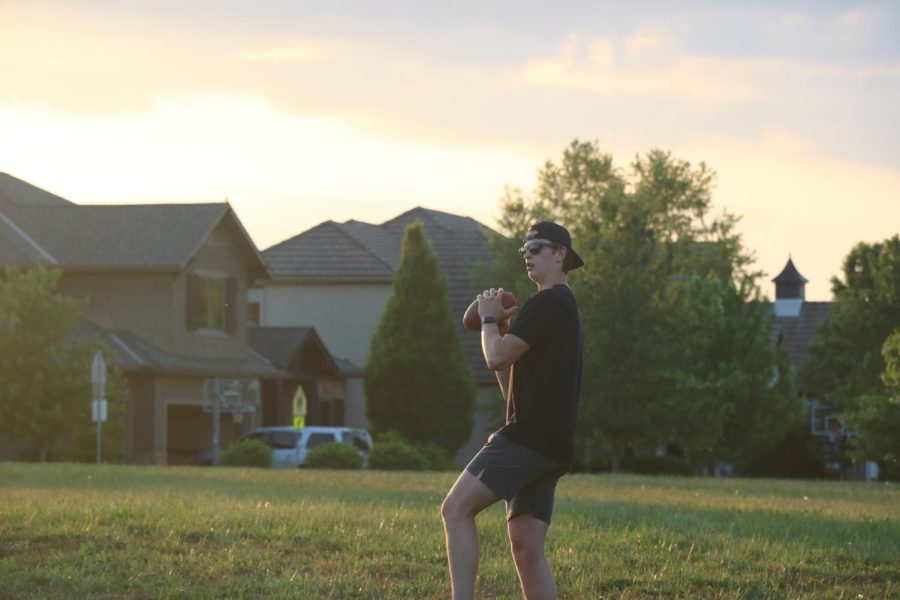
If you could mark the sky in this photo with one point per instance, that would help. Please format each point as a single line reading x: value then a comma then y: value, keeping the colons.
x: 299, y: 112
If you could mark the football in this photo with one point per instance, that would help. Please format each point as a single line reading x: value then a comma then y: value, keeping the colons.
x: 472, y: 321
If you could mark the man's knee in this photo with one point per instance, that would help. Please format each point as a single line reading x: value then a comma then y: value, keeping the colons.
x: 448, y: 509
x: 526, y: 538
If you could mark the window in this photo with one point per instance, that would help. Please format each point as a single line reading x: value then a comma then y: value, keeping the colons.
x: 253, y: 312
x: 211, y: 303
x: 254, y: 300
x: 315, y: 439
x: 282, y: 440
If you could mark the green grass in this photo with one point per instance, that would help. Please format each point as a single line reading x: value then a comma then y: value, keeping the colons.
x: 83, y: 531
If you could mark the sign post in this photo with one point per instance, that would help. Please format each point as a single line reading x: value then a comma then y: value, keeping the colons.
x: 98, y: 406
x: 299, y: 406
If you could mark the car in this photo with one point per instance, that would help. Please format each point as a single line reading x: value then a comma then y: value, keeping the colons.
x: 290, y: 445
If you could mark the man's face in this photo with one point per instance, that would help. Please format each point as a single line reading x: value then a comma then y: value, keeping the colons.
x: 541, y: 257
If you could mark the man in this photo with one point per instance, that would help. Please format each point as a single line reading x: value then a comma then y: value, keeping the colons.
x: 538, y: 366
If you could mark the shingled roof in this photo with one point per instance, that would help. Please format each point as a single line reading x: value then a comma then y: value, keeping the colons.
x: 284, y: 347
x: 335, y: 251
x: 14, y: 191
x: 354, y: 251
x: 35, y: 224
x: 132, y: 353
x: 795, y: 333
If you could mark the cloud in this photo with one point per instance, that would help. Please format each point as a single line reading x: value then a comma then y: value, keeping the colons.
x: 283, y: 172
x: 294, y: 51
x: 648, y: 66
x: 795, y: 201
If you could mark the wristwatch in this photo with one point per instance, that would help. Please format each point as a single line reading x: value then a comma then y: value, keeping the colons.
x: 489, y: 321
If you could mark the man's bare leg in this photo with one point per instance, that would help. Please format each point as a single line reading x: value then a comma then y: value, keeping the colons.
x: 466, y: 499
x: 527, y: 534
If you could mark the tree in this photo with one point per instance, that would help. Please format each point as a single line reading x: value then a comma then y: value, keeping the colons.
x: 45, y: 385
x: 417, y: 380
x: 846, y: 354
x: 853, y: 361
x: 876, y: 415
x: 677, y: 346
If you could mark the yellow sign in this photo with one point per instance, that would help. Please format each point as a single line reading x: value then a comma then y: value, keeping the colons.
x: 299, y: 404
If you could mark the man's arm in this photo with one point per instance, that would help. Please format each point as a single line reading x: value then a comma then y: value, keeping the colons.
x: 501, y: 351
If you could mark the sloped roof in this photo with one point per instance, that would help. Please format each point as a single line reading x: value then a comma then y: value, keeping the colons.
x: 14, y: 191
x: 283, y: 347
x: 37, y: 225
x: 790, y: 274
x: 328, y: 250
x: 357, y: 252
x: 795, y: 333
x: 131, y: 353
x: 163, y: 236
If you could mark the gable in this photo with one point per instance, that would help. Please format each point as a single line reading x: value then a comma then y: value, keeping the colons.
x: 16, y: 192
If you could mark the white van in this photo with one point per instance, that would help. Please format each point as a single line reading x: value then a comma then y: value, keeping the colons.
x: 290, y: 446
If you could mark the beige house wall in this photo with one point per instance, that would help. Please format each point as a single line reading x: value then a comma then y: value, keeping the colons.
x: 143, y: 304
x: 154, y: 306
x: 344, y: 315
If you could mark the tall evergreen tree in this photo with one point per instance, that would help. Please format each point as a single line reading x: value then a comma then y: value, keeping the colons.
x: 417, y: 380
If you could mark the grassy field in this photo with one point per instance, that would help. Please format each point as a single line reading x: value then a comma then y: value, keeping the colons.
x: 83, y: 531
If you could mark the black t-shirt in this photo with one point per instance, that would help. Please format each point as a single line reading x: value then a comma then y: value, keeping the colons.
x: 546, y: 380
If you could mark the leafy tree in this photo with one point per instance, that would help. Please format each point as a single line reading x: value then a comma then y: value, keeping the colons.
x: 853, y: 361
x: 45, y: 385
x: 417, y: 381
x: 846, y: 354
x: 677, y: 344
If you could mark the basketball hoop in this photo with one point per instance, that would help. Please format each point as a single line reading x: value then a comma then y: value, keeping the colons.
x: 235, y: 396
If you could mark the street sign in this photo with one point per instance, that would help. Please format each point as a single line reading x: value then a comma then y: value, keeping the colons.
x: 98, y: 406
x: 98, y: 411
x: 98, y: 376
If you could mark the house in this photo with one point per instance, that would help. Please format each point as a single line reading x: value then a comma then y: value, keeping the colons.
x: 166, y: 286
x: 796, y: 322
x: 337, y: 278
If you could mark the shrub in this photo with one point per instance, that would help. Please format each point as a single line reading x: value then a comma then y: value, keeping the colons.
x: 662, y: 465
x: 436, y: 458
x: 793, y: 456
x: 247, y: 453
x: 396, y: 456
x: 333, y: 455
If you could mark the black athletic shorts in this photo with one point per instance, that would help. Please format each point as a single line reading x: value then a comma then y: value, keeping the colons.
x: 524, y: 478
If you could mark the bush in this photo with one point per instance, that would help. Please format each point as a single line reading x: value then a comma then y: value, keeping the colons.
x: 436, y: 458
x: 247, y: 453
x: 333, y: 455
x: 396, y: 456
x: 794, y: 457
x: 662, y: 465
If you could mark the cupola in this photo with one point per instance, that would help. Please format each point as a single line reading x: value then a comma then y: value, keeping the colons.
x: 790, y: 291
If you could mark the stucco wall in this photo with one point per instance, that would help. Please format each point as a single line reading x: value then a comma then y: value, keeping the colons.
x: 344, y: 316
x: 141, y: 303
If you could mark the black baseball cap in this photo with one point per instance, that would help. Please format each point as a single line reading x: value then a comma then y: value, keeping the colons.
x: 553, y: 232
